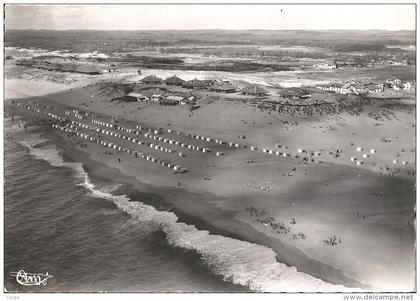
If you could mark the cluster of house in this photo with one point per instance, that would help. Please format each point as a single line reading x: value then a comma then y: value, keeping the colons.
x: 358, y: 88
x: 162, y: 99
x: 219, y: 86
x: 338, y: 64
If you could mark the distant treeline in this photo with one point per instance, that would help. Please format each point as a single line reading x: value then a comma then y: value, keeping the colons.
x: 251, y: 52
x: 231, y: 65
x: 117, y: 41
x: 284, y: 55
x: 151, y: 60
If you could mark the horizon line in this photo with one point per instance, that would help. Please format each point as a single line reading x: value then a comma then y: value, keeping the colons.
x: 208, y: 29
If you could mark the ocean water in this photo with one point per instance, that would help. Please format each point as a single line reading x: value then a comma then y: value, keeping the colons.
x: 54, y: 223
x: 92, y: 238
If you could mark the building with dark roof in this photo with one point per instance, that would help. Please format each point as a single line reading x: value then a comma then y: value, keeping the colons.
x: 171, y: 100
x: 224, y: 88
x: 174, y: 81
x: 255, y: 91
x: 138, y: 96
x: 209, y: 82
x: 151, y: 79
x: 194, y: 84
x: 295, y: 93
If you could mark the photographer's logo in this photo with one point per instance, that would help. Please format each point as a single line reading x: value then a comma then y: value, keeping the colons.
x: 30, y: 279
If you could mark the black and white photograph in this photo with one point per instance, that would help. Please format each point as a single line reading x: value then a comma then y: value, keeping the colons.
x: 239, y: 148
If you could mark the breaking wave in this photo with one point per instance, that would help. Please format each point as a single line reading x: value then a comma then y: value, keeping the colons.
x: 239, y: 262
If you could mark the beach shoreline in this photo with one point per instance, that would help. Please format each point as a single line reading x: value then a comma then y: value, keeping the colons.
x: 194, y: 216
x: 220, y: 213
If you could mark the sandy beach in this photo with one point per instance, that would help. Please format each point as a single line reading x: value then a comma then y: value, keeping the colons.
x: 331, y: 196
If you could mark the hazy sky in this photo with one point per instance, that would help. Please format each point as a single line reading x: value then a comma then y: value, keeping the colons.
x: 142, y: 17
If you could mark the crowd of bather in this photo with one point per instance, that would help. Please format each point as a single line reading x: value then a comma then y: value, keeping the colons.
x: 278, y: 226
x: 281, y: 227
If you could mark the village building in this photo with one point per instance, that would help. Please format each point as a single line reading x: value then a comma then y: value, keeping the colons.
x: 408, y: 86
x: 255, y: 91
x: 171, y: 100
x: 296, y: 94
x: 223, y: 88
x: 336, y: 88
x: 390, y: 82
x: 325, y: 66
x: 195, y: 84
x: 157, y: 97
x: 174, y: 81
x: 357, y: 88
x: 209, y: 82
x: 347, y: 64
x: 151, y: 79
x: 375, y: 88
x: 139, y: 97
x: 398, y: 87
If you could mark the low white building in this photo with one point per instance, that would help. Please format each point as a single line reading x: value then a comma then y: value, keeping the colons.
x: 398, y: 87
x: 336, y: 88
x: 138, y: 96
x: 325, y: 66
x: 408, y: 86
x: 157, y: 97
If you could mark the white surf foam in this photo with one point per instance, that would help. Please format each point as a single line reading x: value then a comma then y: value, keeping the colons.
x: 52, y: 155
x: 239, y: 262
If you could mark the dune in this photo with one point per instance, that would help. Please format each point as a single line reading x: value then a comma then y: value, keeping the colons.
x: 370, y: 212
